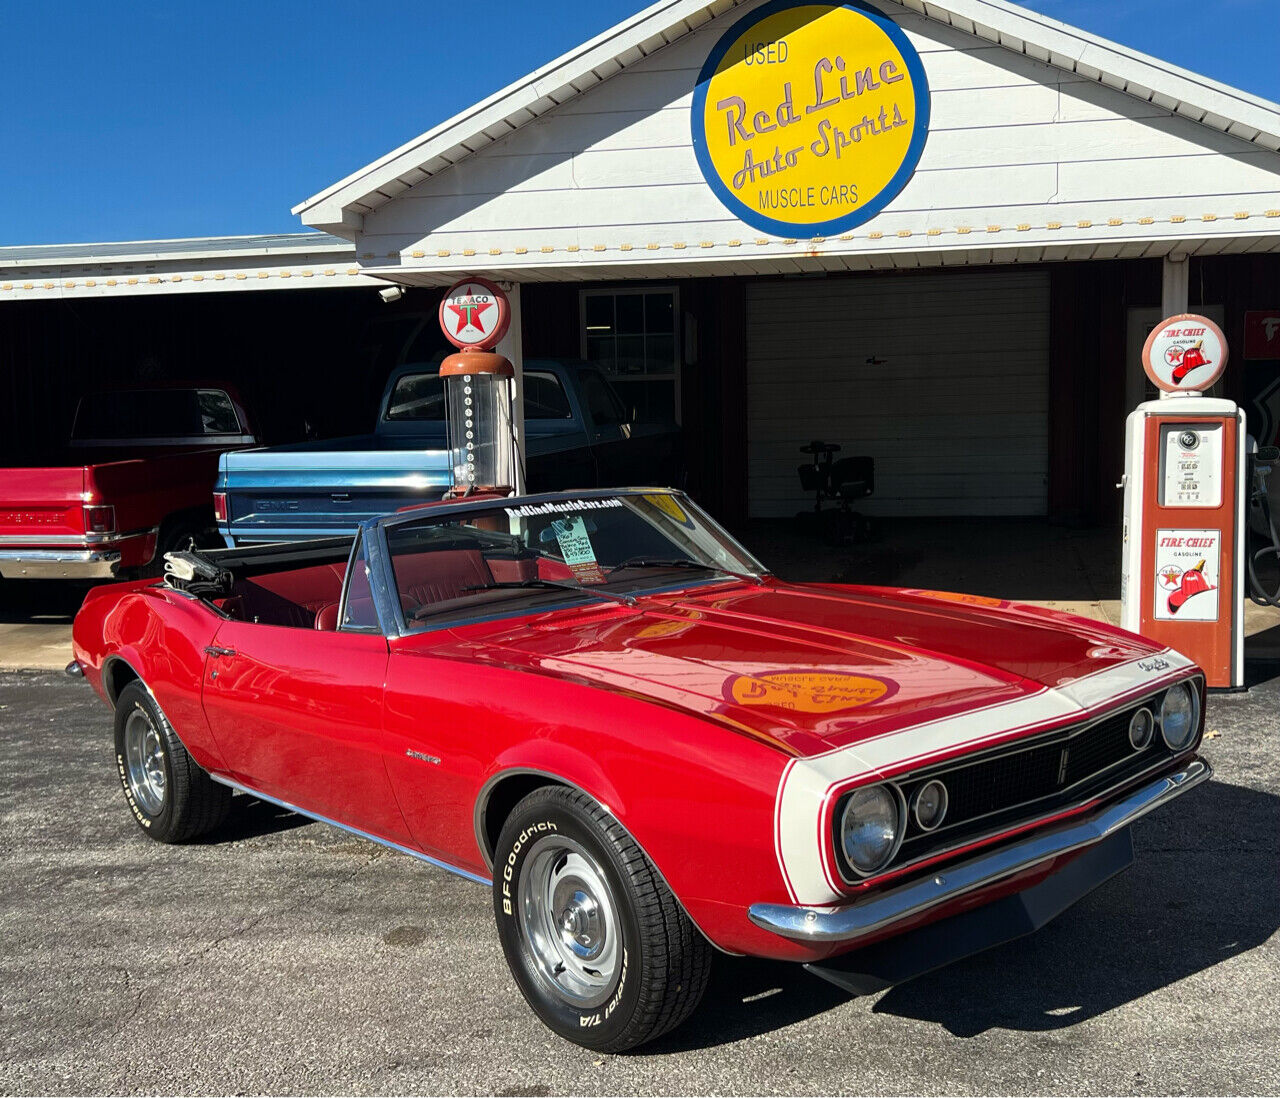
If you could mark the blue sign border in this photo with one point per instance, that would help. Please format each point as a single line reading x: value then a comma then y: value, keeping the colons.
x: 863, y: 213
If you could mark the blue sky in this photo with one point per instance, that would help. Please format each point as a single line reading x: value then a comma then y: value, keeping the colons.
x: 150, y: 120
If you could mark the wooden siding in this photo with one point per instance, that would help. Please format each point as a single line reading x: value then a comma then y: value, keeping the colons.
x: 956, y: 415
x: 1016, y: 147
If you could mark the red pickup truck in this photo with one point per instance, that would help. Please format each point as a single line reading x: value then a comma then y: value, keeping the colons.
x: 135, y: 480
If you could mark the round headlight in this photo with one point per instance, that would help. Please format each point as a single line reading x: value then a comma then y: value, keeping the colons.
x: 1141, y: 726
x: 1179, y: 714
x: 871, y: 827
x: 929, y: 805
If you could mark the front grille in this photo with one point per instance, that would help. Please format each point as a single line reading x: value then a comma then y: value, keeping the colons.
x: 1014, y: 784
x: 1029, y: 774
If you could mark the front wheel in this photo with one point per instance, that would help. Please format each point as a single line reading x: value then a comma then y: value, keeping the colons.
x: 595, y: 940
x: 171, y: 798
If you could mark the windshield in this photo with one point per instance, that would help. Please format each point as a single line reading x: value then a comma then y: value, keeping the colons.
x: 517, y: 555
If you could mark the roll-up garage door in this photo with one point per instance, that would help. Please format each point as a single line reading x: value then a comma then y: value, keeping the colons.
x: 942, y: 377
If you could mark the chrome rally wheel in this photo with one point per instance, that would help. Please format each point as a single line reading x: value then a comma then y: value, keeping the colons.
x: 569, y: 921
x: 144, y: 761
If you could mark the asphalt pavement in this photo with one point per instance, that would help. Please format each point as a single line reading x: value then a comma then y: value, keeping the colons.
x: 285, y: 956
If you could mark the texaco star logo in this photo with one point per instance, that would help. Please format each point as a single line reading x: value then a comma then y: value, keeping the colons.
x: 468, y: 310
x: 474, y: 313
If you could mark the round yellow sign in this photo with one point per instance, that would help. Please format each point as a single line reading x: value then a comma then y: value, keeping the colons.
x: 809, y: 118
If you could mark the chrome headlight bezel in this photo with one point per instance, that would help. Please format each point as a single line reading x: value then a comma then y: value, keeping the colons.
x: 942, y: 812
x: 1143, y: 723
x: 1188, y: 689
x: 847, y: 804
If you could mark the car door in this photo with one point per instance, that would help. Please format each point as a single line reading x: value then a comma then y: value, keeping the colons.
x: 297, y: 713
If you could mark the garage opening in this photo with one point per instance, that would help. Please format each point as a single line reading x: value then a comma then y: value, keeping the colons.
x: 942, y: 377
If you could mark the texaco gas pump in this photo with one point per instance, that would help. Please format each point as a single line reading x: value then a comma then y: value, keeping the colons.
x: 479, y: 391
x: 1184, y: 504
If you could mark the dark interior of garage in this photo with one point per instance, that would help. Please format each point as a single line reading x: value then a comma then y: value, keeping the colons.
x: 313, y: 363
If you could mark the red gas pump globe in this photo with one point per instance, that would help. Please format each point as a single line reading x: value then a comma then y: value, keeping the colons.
x: 1185, y: 354
x: 475, y: 313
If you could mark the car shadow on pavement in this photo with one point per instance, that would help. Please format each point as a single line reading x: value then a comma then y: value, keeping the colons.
x: 1203, y: 888
x: 252, y: 818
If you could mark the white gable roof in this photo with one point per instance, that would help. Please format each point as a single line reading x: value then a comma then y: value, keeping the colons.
x: 340, y: 209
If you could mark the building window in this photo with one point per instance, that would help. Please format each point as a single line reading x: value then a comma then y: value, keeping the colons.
x: 631, y: 334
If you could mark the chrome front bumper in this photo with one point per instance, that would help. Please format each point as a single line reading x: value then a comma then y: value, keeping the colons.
x: 58, y: 563
x: 880, y: 911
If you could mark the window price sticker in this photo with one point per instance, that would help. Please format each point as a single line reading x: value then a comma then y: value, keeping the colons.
x: 577, y: 550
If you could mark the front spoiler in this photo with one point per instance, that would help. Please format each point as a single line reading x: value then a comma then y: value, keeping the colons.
x: 903, y: 957
x: 868, y: 917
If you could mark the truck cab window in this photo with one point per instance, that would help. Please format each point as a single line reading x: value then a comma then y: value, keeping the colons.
x: 417, y: 397
x: 544, y: 397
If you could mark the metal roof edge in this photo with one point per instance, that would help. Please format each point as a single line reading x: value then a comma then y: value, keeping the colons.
x: 177, y: 248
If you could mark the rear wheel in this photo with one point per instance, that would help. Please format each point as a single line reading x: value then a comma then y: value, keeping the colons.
x: 594, y: 938
x: 171, y: 798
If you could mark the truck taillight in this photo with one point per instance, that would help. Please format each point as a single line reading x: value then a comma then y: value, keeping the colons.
x: 99, y: 519
x: 220, y: 506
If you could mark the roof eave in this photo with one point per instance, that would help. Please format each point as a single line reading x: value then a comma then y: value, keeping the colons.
x: 340, y: 208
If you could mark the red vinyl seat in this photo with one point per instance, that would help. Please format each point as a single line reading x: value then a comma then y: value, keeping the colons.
x: 424, y: 578
x: 292, y: 598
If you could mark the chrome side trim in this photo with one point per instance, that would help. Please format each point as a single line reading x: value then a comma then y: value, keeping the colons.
x: 467, y: 874
x: 88, y: 541
x: 881, y: 910
x: 57, y: 564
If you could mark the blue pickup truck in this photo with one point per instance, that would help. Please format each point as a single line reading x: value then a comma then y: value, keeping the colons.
x: 578, y: 434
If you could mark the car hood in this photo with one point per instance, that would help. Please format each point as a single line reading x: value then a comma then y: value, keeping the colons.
x: 811, y: 668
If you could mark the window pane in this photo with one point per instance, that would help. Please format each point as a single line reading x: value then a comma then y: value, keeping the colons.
x: 599, y: 313
x: 544, y: 398
x: 217, y: 413
x: 600, y: 351
x: 630, y: 355
x: 359, y: 612
x: 659, y: 313
x: 630, y: 314
x: 417, y: 397
x: 660, y: 354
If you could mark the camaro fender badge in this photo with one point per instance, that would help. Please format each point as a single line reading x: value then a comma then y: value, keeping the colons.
x: 1155, y: 663
x: 434, y: 760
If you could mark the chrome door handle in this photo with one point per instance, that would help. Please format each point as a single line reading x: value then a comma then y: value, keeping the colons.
x: 213, y: 650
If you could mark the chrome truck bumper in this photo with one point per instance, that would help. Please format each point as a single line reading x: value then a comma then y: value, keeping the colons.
x: 876, y: 913
x: 58, y: 563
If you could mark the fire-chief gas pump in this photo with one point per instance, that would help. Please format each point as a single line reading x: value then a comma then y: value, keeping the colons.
x: 479, y: 391
x: 1182, y: 572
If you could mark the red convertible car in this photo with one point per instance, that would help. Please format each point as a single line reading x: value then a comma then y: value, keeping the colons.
x: 605, y: 707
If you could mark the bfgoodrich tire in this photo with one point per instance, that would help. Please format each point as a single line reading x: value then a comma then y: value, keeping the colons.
x: 171, y: 798
x: 596, y: 942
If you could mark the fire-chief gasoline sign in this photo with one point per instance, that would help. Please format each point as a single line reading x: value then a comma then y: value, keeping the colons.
x: 809, y: 118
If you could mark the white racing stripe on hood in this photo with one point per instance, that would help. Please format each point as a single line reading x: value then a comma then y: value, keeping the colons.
x: 804, y: 848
